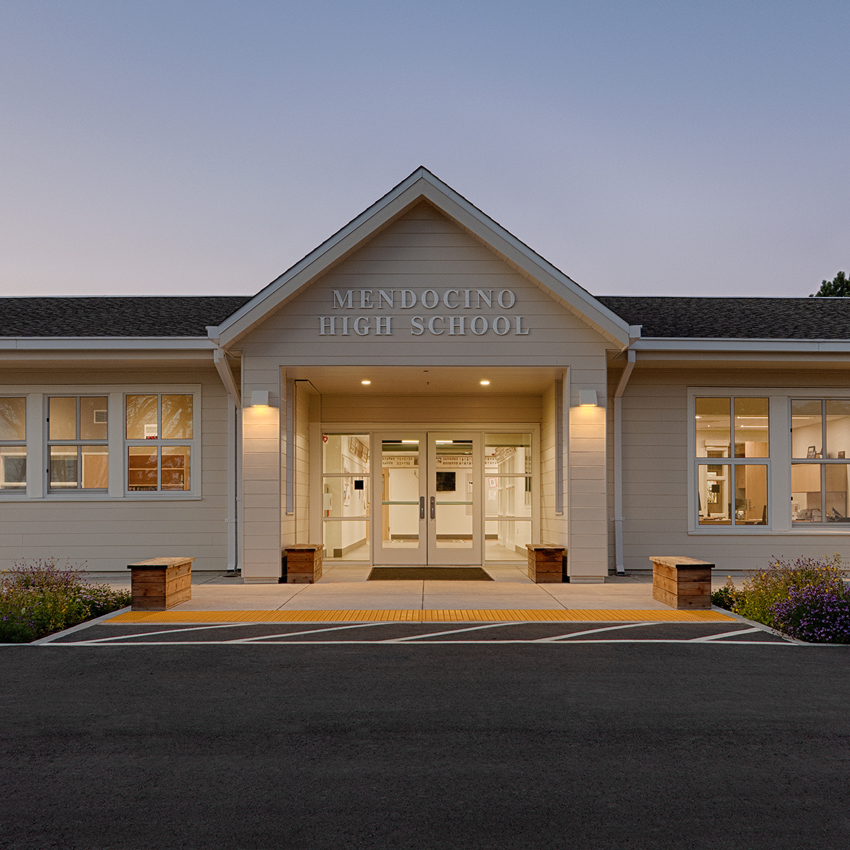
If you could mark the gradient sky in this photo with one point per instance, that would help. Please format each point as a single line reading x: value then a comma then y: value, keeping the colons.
x: 645, y: 148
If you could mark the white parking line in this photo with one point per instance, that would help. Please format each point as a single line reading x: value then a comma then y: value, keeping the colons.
x: 306, y: 632
x: 725, y: 635
x: 450, y: 632
x: 592, y: 632
x: 163, y: 632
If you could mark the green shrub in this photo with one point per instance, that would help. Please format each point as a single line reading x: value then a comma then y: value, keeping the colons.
x: 765, y: 588
x: 726, y: 597
x: 40, y: 598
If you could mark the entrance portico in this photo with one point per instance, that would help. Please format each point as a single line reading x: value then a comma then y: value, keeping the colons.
x: 423, y: 389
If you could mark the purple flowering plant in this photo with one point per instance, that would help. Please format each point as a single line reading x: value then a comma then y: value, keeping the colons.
x: 806, y: 598
x: 817, y: 614
x: 39, y: 598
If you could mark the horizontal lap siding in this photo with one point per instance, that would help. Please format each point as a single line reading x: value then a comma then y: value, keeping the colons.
x: 424, y: 250
x: 108, y: 534
x: 655, y: 473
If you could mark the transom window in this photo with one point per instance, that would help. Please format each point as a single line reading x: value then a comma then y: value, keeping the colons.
x: 13, y: 445
x: 732, y: 458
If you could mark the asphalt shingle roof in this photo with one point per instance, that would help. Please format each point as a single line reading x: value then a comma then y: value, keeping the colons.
x: 87, y: 317
x: 735, y: 318
x: 188, y: 316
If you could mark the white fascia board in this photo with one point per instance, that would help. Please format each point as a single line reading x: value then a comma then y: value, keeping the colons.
x: 109, y: 343
x: 792, y: 346
x: 418, y: 186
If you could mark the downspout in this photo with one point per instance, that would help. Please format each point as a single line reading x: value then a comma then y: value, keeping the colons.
x: 619, y: 519
x: 234, y: 407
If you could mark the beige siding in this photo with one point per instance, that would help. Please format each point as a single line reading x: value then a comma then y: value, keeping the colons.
x: 262, y: 461
x: 106, y: 533
x: 655, y: 474
x: 413, y: 253
x: 588, y: 501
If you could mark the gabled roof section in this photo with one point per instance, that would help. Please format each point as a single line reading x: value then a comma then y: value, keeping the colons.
x: 421, y: 185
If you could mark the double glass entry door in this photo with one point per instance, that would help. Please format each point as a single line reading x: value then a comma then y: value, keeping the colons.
x: 430, y: 496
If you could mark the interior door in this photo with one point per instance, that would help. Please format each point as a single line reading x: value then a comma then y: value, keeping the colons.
x: 401, y: 538
x: 454, y: 494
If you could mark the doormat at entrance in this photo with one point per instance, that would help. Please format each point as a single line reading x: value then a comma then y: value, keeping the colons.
x: 428, y: 574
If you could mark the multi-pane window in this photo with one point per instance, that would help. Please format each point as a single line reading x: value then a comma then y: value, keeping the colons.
x: 346, y: 496
x: 507, y: 495
x: 77, y: 449
x: 13, y: 445
x: 820, y: 454
x: 732, y: 460
x: 159, y: 432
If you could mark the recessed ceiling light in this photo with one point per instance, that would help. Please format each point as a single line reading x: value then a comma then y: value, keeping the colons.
x: 365, y: 382
x: 485, y: 383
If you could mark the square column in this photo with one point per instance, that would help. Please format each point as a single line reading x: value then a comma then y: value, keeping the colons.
x: 261, y: 474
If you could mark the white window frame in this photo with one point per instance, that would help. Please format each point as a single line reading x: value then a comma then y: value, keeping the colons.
x: 13, y: 492
x: 820, y: 463
x: 159, y: 443
x: 779, y: 461
x: 37, y: 441
x: 77, y: 443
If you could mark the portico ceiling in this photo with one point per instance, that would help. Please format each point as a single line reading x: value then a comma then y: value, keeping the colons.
x: 427, y: 380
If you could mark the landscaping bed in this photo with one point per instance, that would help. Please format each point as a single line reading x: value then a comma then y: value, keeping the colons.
x: 40, y: 598
x: 805, y: 599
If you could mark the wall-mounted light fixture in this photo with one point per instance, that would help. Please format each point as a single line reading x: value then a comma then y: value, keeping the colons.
x: 365, y: 383
x: 259, y: 398
x: 587, y: 398
x: 484, y: 383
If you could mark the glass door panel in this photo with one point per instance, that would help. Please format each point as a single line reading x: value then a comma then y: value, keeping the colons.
x: 402, y: 538
x: 454, y: 532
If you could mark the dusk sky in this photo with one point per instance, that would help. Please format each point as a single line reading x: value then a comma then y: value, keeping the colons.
x: 645, y: 148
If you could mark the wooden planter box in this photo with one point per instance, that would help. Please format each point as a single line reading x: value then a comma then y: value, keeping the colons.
x: 303, y: 563
x: 545, y: 563
x: 681, y: 582
x: 160, y: 583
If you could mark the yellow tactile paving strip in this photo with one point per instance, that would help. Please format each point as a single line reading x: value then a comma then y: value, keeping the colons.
x: 477, y: 615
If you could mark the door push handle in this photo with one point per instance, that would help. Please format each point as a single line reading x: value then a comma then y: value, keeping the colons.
x: 421, y: 507
x: 433, y: 509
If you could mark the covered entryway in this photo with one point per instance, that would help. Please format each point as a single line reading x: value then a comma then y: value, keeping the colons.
x: 438, y: 498
x: 422, y: 320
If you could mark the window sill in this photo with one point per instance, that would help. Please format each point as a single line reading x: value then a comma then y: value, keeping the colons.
x: 103, y: 497
x: 761, y: 531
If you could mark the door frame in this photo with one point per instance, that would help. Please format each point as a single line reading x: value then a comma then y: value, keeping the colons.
x: 317, y: 429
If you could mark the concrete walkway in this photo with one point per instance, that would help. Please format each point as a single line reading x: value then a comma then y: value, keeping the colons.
x: 346, y: 588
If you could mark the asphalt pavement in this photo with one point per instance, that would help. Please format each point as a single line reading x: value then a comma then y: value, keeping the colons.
x: 644, y: 744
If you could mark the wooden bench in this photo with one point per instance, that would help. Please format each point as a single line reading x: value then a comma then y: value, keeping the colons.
x: 545, y: 563
x: 303, y: 563
x: 681, y: 582
x: 160, y: 583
